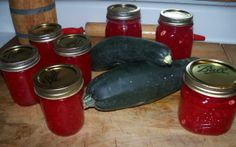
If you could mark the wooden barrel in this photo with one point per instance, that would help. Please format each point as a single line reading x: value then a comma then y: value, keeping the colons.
x: 28, y: 13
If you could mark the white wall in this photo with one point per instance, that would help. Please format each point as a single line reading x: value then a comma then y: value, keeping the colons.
x: 217, y: 21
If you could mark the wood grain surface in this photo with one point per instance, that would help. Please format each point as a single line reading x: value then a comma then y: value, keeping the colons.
x: 151, y: 125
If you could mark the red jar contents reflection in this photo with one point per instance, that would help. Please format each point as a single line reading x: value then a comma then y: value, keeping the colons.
x: 60, y: 90
x: 75, y: 49
x: 42, y: 36
x: 204, y: 114
x: 64, y: 117
x: 123, y: 20
x: 176, y: 31
x: 19, y: 64
x: 208, y: 103
x: 123, y: 28
x: 46, y: 50
x: 71, y: 30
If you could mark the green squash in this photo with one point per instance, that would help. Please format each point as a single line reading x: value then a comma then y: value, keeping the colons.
x: 134, y: 84
x: 123, y: 49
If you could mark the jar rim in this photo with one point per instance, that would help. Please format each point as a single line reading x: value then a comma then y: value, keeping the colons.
x: 45, y: 32
x: 123, y: 11
x: 18, y: 58
x: 210, y: 81
x: 73, y: 45
x: 58, y: 81
x: 176, y: 17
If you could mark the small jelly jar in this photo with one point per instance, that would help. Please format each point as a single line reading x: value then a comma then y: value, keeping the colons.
x: 123, y: 20
x: 43, y: 36
x: 176, y: 31
x: 208, y: 103
x: 19, y: 64
x: 75, y: 49
x: 60, y: 90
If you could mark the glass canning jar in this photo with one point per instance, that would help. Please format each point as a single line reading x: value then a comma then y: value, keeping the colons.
x: 42, y: 37
x: 75, y: 49
x: 60, y: 90
x: 123, y: 20
x: 208, y: 103
x: 176, y: 31
x: 19, y: 64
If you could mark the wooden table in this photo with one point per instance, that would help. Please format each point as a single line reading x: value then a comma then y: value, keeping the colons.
x: 152, y: 125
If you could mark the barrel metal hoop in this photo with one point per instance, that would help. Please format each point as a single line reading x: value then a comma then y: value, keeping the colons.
x: 21, y: 35
x: 33, y: 11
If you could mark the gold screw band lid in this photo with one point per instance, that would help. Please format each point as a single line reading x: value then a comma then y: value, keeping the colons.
x: 18, y: 58
x: 176, y: 17
x: 45, y: 32
x: 211, y: 77
x: 73, y: 45
x: 58, y: 81
x: 123, y: 11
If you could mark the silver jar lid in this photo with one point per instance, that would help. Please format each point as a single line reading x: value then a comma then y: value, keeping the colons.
x: 176, y: 17
x: 58, y: 81
x: 18, y: 58
x: 211, y: 77
x: 73, y: 45
x: 123, y: 11
x: 45, y: 32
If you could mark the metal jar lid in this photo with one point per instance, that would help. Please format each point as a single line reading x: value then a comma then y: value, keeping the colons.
x: 211, y: 77
x: 123, y: 11
x: 45, y: 32
x: 18, y: 58
x: 73, y: 45
x: 58, y: 81
x: 176, y: 17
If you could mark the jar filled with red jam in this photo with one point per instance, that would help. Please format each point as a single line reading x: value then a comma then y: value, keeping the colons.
x: 19, y: 64
x: 60, y: 90
x: 75, y: 49
x: 43, y: 36
x: 208, y: 103
x: 123, y: 20
x: 176, y: 31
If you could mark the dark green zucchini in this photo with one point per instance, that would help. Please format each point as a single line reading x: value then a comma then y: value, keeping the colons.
x: 122, y: 49
x: 134, y: 84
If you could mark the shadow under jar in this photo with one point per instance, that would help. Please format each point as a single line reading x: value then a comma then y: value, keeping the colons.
x: 43, y: 36
x: 60, y: 88
x: 19, y: 64
x: 208, y: 103
x: 75, y: 49
x: 123, y: 20
x: 176, y: 31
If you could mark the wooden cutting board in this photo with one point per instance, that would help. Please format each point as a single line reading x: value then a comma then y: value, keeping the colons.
x: 152, y: 125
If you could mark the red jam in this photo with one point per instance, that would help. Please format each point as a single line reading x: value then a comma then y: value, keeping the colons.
x: 123, y: 28
x: 46, y: 50
x: 19, y: 64
x: 75, y: 49
x: 123, y: 20
x: 207, y: 106
x: 176, y: 31
x: 60, y: 90
x: 64, y: 117
x: 68, y: 31
x: 42, y: 37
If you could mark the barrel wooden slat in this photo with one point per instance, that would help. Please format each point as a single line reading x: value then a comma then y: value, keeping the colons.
x: 29, y: 4
x: 28, y: 13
